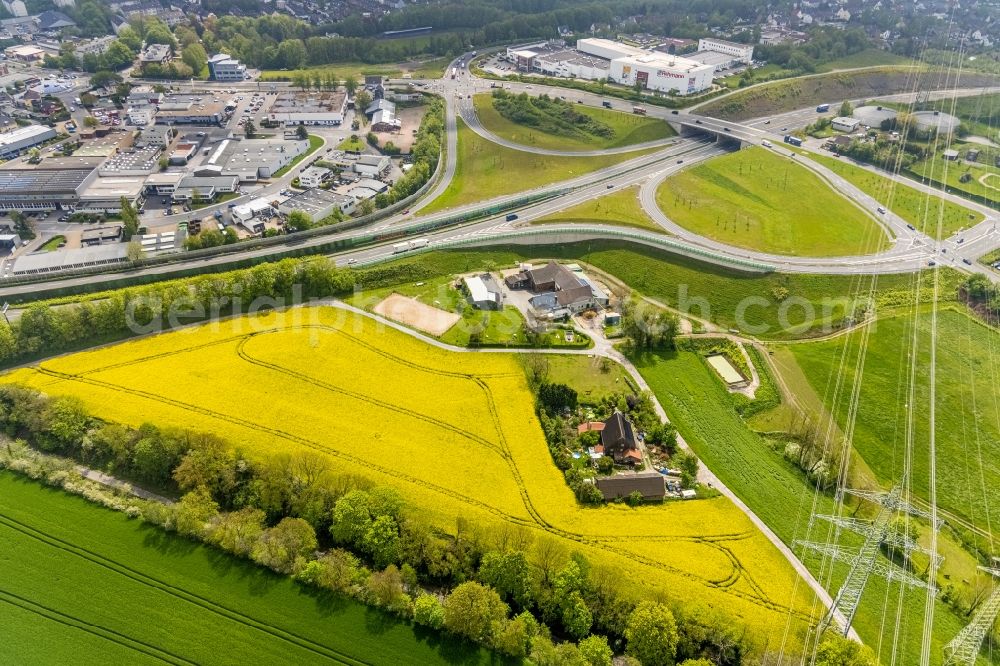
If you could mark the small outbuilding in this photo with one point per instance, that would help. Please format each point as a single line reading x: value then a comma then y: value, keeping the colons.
x: 484, y: 292
x: 649, y: 484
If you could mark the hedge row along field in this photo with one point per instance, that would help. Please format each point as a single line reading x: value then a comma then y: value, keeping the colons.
x: 456, y: 433
x: 86, y: 585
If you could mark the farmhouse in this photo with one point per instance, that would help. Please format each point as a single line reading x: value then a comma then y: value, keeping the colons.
x: 484, y: 292
x: 618, y: 440
x: 560, y: 290
x: 649, y: 484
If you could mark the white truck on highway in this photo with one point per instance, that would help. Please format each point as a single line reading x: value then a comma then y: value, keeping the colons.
x: 406, y: 246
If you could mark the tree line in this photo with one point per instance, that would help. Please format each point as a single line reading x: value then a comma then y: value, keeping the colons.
x: 504, y: 587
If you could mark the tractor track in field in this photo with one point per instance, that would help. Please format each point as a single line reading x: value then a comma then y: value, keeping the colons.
x: 176, y: 592
x: 606, y: 543
x: 109, y: 635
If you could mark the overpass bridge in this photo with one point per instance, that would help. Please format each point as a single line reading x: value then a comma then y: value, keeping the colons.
x: 728, y: 134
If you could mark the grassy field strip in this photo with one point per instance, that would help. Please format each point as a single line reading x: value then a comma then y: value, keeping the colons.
x: 162, y: 586
x: 762, y: 201
x: 915, y: 207
x: 156, y: 653
x: 485, y: 170
x: 621, y: 208
x: 73, y: 566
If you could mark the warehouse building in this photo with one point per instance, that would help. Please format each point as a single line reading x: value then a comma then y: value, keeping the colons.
x: 318, y: 204
x: 23, y: 138
x: 253, y: 159
x: 371, y: 166
x: 183, y: 111
x: 569, y: 63
x: 104, y: 195
x: 607, y: 49
x: 253, y: 214
x: 205, y: 184
x: 741, y: 53
x: 662, y: 72
x: 25, y: 53
x: 309, y: 108
x: 29, y: 189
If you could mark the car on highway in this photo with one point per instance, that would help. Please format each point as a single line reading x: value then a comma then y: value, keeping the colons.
x: 881, y: 209
x: 697, y: 122
x: 784, y: 129
x: 960, y: 241
x: 767, y: 122
x: 726, y: 129
x: 911, y: 227
x: 967, y: 261
x: 932, y: 263
x: 610, y: 185
x: 680, y: 161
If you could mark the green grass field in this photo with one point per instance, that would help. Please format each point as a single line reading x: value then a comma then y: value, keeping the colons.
x: 759, y: 200
x: 353, y: 142
x: 629, y: 129
x: 701, y: 289
x: 591, y: 377
x: 86, y: 585
x: 621, y: 208
x: 52, y: 244
x: 779, y: 493
x: 968, y: 418
x: 486, y: 170
x: 921, y: 210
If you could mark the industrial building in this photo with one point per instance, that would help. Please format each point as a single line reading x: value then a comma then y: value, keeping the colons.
x: 313, y: 177
x: 318, y: 204
x: 252, y: 215
x: 28, y: 189
x: 371, y: 166
x: 309, y: 108
x: 104, y: 195
x: 14, y: 142
x: 741, y: 53
x: 662, y: 72
x: 155, y: 54
x: 221, y: 67
x: 253, y: 159
x: 25, y: 53
x: 183, y: 111
x: 595, y: 58
x: 205, y: 184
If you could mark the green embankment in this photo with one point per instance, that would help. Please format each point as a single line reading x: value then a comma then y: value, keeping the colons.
x: 779, y: 493
x: 486, y: 170
x: 629, y: 129
x: 86, y: 585
x: 968, y: 418
x: 763, y: 201
x: 621, y: 208
x: 921, y: 210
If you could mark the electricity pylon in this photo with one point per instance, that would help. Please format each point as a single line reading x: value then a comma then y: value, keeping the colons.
x: 964, y: 647
x: 864, y: 561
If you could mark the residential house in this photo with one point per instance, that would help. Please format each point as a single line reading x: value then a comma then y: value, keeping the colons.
x: 618, y: 440
x: 559, y: 291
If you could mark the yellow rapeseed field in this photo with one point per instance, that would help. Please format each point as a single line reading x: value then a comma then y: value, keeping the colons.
x: 455, y: 432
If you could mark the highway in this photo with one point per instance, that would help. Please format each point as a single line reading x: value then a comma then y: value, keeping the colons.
x: 910, y: 250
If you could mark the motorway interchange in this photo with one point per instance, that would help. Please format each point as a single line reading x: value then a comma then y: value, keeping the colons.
x: 910, y: 250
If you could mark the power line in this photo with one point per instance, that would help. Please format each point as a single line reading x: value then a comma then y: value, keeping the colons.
x: 964, y: 648
x: 865, y: 562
